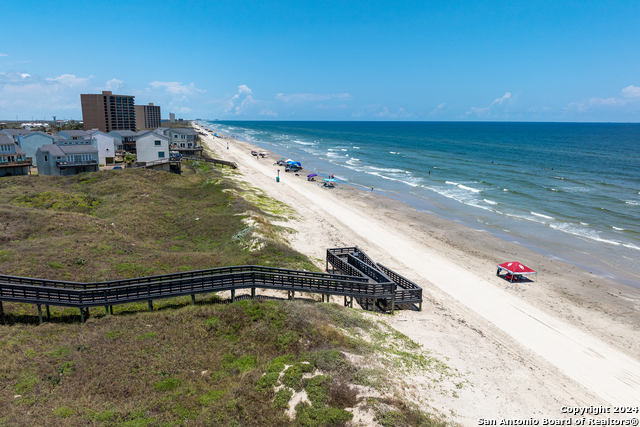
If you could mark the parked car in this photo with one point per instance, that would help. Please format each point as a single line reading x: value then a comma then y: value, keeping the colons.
x: 117, y: 167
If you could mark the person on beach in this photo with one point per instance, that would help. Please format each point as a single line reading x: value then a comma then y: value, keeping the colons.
x: 372, y: 188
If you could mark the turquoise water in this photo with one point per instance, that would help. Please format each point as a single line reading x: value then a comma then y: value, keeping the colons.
x: 570, y: 190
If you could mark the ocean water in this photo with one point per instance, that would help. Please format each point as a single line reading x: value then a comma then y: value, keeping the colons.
x: 569, y: 190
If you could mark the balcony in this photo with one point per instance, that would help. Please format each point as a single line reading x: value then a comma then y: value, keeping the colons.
x: 15, y: 163
x: 71, y: 163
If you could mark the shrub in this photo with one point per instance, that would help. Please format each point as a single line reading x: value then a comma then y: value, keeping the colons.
x: 63, y: 412
x: 167, y: 384
x: 312, y: 416
x: 210, y: 397
x: 55, y: 264
x: 281, y: 401
x: 267, y: 381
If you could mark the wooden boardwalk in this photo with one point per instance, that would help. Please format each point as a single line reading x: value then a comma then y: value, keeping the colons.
x: 372, y: 285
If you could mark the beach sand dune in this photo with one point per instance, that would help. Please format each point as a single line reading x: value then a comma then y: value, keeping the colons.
x: 572, y: 338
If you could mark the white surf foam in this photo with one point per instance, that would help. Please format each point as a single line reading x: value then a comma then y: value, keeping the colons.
x: 464, y: 187
x: 616, y: 228
x: 632, y: 202
x: 541, y: 215
x: 491, y: 202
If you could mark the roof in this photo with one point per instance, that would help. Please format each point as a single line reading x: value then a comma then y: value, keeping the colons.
x: 39, y: 133
x: 186, y: 131
x: 124, y: 132
x: 20, y: 150
x: 52, y: 149
x: 4, y: 139
x: 78, y: 149
x: 16, y: 131
x: 155, y: 135
x: 73, y: 133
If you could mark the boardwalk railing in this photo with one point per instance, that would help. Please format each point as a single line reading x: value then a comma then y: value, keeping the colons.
x: 223, y: 163
x: 355, y: 262
x: 362, y: 281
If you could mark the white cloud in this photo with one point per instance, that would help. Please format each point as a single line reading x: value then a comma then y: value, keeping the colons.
x: 67, y: 80
x: 400, y: 114
x: 114, y: 84
x: 268, y: 113
x: 183, y: 110
x: 240, y: 108
x: 309, y: 97
x: 244, y: 89
x: 438, y: 109
x: 22, y: 93
x: 502, y: 99
x: 631, y: 91
x: 177, y: 88
x: 485, y: 111
x: 3, y: 54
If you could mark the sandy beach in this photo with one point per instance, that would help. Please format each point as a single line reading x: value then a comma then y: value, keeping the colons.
x: 570, y: 339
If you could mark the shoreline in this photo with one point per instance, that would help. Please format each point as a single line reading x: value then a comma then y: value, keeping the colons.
x: 543, y: 331
x: 559, y: 245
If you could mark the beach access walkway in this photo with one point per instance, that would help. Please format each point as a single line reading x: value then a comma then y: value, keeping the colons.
x: 372, y: 285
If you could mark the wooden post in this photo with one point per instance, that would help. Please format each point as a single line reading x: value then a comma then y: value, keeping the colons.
x: 393, y: 303
x: 39, y: 313
x: 419, y: 306
x: 48, y: 313
x: 82, y: 315
x: 150, y: 305
x: 351, y: 303
x: 1, y: 310
x: 193, y: 299
x: 253, y: 293
x: 328, y: 298
x: 233, y: 295
x: 106, y: 310
x: 111, y: 309
x: 322, y: 297
x: 345, y: 300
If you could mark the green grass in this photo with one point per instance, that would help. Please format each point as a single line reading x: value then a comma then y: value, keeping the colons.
x: 139, y: 222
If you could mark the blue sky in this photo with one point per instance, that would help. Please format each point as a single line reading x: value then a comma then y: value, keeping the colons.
x: 326, y: 60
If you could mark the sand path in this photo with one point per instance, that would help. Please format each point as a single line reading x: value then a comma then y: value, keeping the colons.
x: 606, y: 372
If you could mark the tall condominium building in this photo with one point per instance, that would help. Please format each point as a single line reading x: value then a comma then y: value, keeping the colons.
x: 148, y: 116
x: 108, y: 112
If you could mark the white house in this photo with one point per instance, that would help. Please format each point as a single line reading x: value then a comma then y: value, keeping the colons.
x: 151, y: 147
x: 106, y: 146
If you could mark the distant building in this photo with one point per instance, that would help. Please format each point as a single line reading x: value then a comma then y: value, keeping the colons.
x: 72, y: 134
x: 108, y: 112
x: 13, y: 133
x: 13, y: 160
x: 67, y: 157
x: 172, y: 117
x: 34, y: 140
x: 147, y: 116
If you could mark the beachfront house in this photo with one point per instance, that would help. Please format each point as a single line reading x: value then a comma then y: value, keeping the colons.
x: 73, y: 134
x: 13, y: 133
x: 13, y: 160
x: 31, y: 141
x: 125, y: 140
x: 152, y: 147
x: 67, y: 157
x: 184, y: 141
x: 106, y: 145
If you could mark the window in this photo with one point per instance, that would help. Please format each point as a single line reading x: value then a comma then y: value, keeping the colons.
x: 157, y: 143
x: 183, y: 136
x: 45, y: 158
x: 161, y: 154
